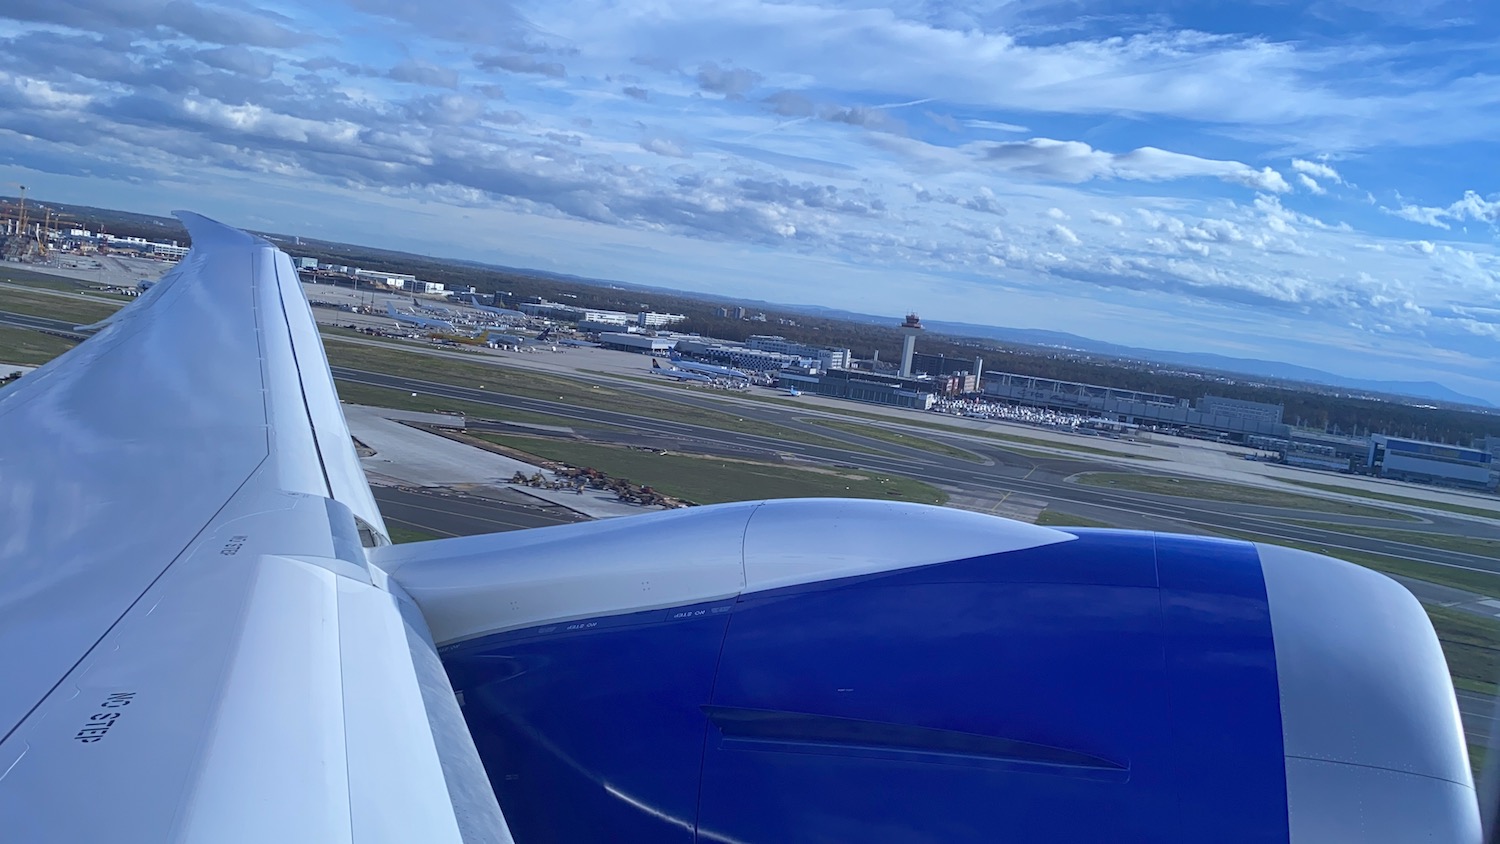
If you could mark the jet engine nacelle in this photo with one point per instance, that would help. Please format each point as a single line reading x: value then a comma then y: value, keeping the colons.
x: 832, y: 670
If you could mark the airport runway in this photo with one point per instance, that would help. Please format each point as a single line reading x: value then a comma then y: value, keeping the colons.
x: 40, y: 324
x: 456, y: 514
x: 1477, y: 712
x: 1007, y: 473
x: 1039, y: 477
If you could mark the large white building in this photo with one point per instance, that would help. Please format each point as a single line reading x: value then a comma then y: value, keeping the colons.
x: 827, y: 358
x: 636, y: 343
x: 1241, y: 410
x: 595, y: 318
x: 1414, y: 460
x: 171, y: 251
x: 652, y: 319
x: 400, y: 281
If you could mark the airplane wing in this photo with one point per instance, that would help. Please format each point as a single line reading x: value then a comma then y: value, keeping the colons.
x: 192, y: 643
x: 205, y: 635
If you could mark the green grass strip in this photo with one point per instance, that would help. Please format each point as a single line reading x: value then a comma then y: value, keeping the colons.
x: 1401, y: 499
x: 896, y: 438
x: 712, y: 480
x: 1233, y: 493
x: 1054, y: 518
x: 1478, y: 582
x: 549, y: 387
x: 43, y: 303
x: 1426, y: 539
x: 404, y: 400
x: 30, y: 348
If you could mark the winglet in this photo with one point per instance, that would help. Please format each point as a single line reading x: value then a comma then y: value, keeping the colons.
x: 204, y: 231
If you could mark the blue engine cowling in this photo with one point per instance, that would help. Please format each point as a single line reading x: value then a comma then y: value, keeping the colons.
x: 1120, y: 687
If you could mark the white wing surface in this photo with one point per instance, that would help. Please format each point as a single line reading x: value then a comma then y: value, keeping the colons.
x: 192, y: 644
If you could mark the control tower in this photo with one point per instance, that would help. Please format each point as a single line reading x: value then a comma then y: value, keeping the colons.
x: 909, y: 330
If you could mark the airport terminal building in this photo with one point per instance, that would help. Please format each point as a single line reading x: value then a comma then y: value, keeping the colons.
x: 916, y: 393
x: 1433, y: 463
x: 1211, y: 415
x: 641, y: 344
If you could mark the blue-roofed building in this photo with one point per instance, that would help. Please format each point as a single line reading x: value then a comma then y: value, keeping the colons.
x: 1434, y: 463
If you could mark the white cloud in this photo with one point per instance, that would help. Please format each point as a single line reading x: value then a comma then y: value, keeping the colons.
x: 1057, y: 213
x: 521, y: 63
x: 1064, y: 234
x: 996, y: 126
x: 732, y: 82
x: 1472, y: 207
x: 1426, y: 247
x: 1318, y: 170
x: 1076, y: 161
x: 1312, y: 186
x: 423, y: 73
x: 1106, y: 218
x: 662, y: 146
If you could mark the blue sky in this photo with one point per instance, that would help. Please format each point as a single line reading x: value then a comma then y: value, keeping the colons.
x: 1309, y: 182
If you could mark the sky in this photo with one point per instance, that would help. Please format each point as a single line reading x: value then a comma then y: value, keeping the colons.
x: 1307, y: 182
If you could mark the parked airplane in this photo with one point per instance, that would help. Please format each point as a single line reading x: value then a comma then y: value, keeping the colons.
x: 500, y: 338
x: 505, y: 312
x: 208, y: 636
x: 419, y: 321
x: 709, y: 369
x: 793, y: 391
x: 678, y: 374
x: 430, y: 308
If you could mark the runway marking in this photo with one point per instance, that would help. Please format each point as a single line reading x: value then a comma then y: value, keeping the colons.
x: 417, y: 527
x: 1009, y: 493
x: 477, y: 518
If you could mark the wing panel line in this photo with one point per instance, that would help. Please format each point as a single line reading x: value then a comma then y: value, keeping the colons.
x: 144, y: 592
x: 297, y: 364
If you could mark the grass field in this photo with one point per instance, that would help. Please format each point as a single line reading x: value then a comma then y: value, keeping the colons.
x: 336, y: 331
x: 1234, y: 493
x: 925, y: 422
x: 405, y: 534
x: 1402, y: 499
x: 402, y: 400
x: 1483, y: 583
x: 1472, y: 646
x: 46, y: 281
x: 1018, y: 439
x: 1053, y: 518
x: 44, y: 303
x: 1427, y: 539
x: 29, y: 348
x: 896, y: 438
x: 712, y: 480
x: 549, y: 387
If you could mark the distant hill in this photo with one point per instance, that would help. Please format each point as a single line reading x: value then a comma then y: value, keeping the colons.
x: 1429, y: 390
x: 1425, y: 390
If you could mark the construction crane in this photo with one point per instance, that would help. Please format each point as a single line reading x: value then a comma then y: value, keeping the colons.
x: 20, y: 217
x: 51, y: 231
x: 21, y: 239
